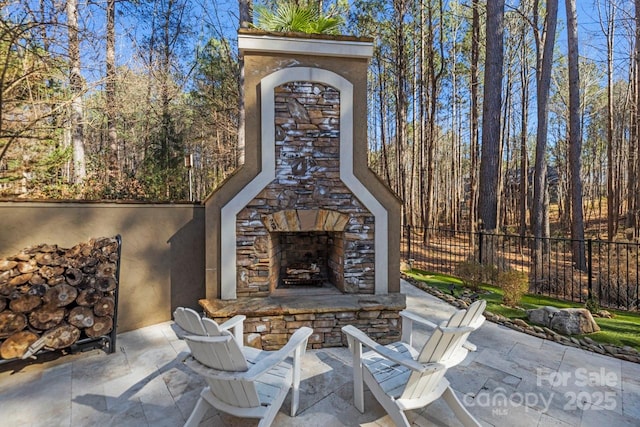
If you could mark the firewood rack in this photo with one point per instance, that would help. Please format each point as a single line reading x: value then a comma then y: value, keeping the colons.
x: 105, y: 342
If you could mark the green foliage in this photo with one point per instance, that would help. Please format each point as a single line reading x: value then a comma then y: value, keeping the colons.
x: 473, y: 274
x: 620, y: 330
x: 115, y: 188
x: 291, y: 17
x: 514, y: 285
x: 592, y: 305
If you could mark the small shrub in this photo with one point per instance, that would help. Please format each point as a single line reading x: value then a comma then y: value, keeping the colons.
x: 514, y: 285
x: 471, y: 273
x: 593, y: 305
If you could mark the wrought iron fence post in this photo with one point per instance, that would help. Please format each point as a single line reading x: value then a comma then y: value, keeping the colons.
x: 408, y: 242
x: 589, y: 270
x: 480, y: 239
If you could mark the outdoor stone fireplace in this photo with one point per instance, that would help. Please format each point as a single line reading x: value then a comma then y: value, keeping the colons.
x: 304, y: 216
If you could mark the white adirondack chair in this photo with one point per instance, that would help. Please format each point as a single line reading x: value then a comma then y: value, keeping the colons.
x: 248, y: 387
x: 402, y: 378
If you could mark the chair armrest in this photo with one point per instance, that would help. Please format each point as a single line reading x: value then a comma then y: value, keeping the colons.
x: 469, y: 346
x: 237, y: 327
x: 354, y: 333
x: 417, y: 319
x: 408, y: 318
x: 298, y: 341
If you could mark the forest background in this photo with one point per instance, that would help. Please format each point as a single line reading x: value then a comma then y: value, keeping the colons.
x: 139, y: 100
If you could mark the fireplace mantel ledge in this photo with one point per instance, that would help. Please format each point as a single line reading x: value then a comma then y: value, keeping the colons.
x: 275, y: 306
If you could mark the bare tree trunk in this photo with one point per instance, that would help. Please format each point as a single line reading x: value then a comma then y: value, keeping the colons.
x: 75, y: 84
x: 489, y: 161
x: 575, y: 138
x: 524, y: 162
x: 543, y: 74
x: 473, y: 143
x: 401, y: 95
x: 540, y: 205
x: 246, y: 18
x: 112, y: 133
x: 434, y: 78
x: 633, y: 217
x: 612, y: 205
x: 383, y: 127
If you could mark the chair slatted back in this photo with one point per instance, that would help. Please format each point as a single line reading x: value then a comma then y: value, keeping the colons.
x: 444, y: 346
x: 193, y: 323
x: 189, y: 320
x: 223, y: 353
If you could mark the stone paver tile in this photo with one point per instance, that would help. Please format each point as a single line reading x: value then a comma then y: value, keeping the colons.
x: 631, y: 398
x: 550, y: 402
x: 438, y: 413
x: 578, y: 358
x: 471, y: 379
x: 496, y: 360
x: 599, y: 418
x: 534, y: 358
x: 547, y: 420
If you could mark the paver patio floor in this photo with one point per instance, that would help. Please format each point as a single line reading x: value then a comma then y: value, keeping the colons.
x: 512, y: 380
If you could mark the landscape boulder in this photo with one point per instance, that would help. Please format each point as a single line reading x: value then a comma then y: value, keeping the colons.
x: 566, y: 321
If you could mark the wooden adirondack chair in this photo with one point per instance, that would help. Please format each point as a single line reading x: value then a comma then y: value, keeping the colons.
x: 248, y: 387
x: 402, y: 378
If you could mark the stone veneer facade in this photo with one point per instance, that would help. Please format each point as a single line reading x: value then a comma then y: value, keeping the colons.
x: 306, y: 196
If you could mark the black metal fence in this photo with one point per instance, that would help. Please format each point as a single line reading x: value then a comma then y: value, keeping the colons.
x: 610, y: 275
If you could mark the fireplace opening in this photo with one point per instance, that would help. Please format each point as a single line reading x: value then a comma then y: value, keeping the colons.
x: 307, y: 260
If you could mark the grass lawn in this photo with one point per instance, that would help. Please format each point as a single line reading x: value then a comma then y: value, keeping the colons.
x: 622, y: 330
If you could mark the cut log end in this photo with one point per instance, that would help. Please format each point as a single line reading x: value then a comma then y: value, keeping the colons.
x: 17, y: 344
x: 11, y: 322
x: 61, y: 336
x: 60, y: 295
x: 46, y: 317
x: 25, y: 303
x: 81, y: 317
x: 105, y: 306
x: 105, y: 284
x: 101, y: 326
x: 88, y: 297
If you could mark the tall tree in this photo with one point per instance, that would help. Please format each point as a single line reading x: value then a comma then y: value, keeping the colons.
x: 246, y: 19
x: 490, y: 155
x: 608, y: 29
x: 435, y: 70
x: 473, y: 134
x: 400, y: 10
x: 111, y: 106
x: 633, y: 216
x: 575, y: 138
x: 524, y: 112
x: 539, y: 208
x: 76, y: 85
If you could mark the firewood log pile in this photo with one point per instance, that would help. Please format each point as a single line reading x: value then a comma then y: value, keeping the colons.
x: 51, y: 297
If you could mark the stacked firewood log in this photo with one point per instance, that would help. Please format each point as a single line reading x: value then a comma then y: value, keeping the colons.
x: 51, y: 297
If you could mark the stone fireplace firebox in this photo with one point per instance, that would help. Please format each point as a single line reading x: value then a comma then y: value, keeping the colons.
x: 304, y: 212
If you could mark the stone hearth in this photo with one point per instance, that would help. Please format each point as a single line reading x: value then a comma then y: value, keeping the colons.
x: 271, y: 321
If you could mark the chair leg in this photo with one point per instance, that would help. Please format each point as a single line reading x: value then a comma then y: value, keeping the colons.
x: 295, y: 386
x: 458, y: 408
x: 198, y: 412
x: 358, y: 383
